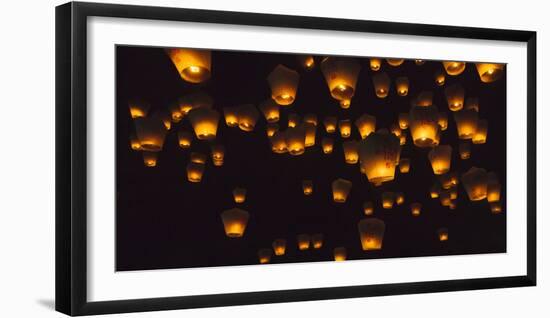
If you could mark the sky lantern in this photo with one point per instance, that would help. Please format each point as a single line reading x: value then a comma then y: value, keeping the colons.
x: 231, y: 117
x: 134, y: 143
x: 270, y: 110
x: 295, y: 140
x: 435, y: 189
x: 197, y: 157
x: 340, y: 254
x: 381, y: 82
x: 395, y: 62
x: 311, y: 131
x: 345, y: 128
x: 489, y: 72
x: 310, y: 118
x: 455, y: 97
x: 151, y: 133
x: 453, y: 192
x: 330, y: 124
x: 475, y: 183
x: 198, y: 99
x: 394, y: 128
x: 307, y: 61
x: 404, y: 165
x: 399, y: 198
x: 193, y: 65
x: 185, y: 138
x: 424, y: 98
x: 480, y: 135
x: 419, y: 62
x: 304, y: 240
x: 493, y: 187
x: 402, y: 86
x: 284, y: 84
x: 234, y: 222
x: 445, y: 197
x: 379, y: 154
x: 279, y: 247
x: 403, y: 120
x: 293, y: 120
x: 217, y: 154
x: 472, y: 103
x: 371, y: 233
x: 247, y: 116
x: 464, y: 150
x: 340, y: 190
x: 443, y: 234
x: 454, y: 68
x: 388, y: 199
x: 278, y: 142
x: 466, y: 123
x: 440, y: 158
x: 446, y: 180
x: 368, y: 208
x: 439, y: 77
x: 307, y: 187
x: 239, y: 195
x: 442, y: 120
x: 195, y: 172
x: 416, y: 208
x: 204, y: 122
x: 424, y: 126
x: 149, y: 158
x: 496, y: 207
x: 351, y: 151
x: 176, y: 113
x: 375, y: 64
x: 341, y: 76
x: 317, y: 240
x: 327, y: 144
x: 138, y: 109
x: 271, y: 129
x: 165, y: 118
x: 264, y: 255
x: 403, y: 138
x: 366, y: 124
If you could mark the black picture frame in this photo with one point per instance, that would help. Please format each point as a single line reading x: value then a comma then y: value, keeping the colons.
x: 71, y: 157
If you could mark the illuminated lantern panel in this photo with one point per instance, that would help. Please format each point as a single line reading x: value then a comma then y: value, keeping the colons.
x: 466, y: 123
x: 388, y: 199
x: 218, y: 154
x: 416, y: 208
x: 330, y: 124
x: 403, y: 120
x: 185, y: 139
x: 443, y: 120
x: 371, y: 233
x: 419, y: 62
x: 304, y: 241
x: 134, y: 143
x: 366, y: 124
x: 195, y: 172
x: 424, y: 98
x: 381, y: 82
x: 264, y: 255
x: 176, y: 114
x: 295, y: 140
x: 311, y: 131
x: 439, y: 77
x: 193, y: 65
x: 341, y: 76
x: 247, y: 116
x: 340, y: 190
x: 284, y: 84
x: 399, y: 198
x: 231, y: 117
x: 345, y: 128
x: 151, y: 133
x: 472, y: 103
x: 150, y: 159
x: 195, y: 100
x: 340, y: 254
x: 197, y: 157
x: 424, y: 126
x: 270, y: 110
x: 455, y: 97
x: 138, y: 109
x: 279, y: 247
x: 351, y: 151
x: 317, y: 241
x: 310, y: 119
x: 443, y: 234
x: 378, y: 155
x: 204, y: 122
x: 375, y: 64
x: 493, y: 187
x: 307, y: 187
x: 404, y: 165
x: 239, y: 195
x: 307, y: 61
x: 327, y: 144
x: 475, y: 183
x: 454, y: 68
x: 403, y: 138
x: 496, y: 207
x: 489, y: 72
x: 234, y: 222
x: 395, y: 62
x: 278, y: 142
x: 434, y: 191
x: 440, y: 158
x: 402, y: 86
x: 480, y: 135
x: 271, y: 129
x: 464, y: 150
x: 453, y: 176
x: 293, y: 120
x: 368, y: 208
x: 445, y: 197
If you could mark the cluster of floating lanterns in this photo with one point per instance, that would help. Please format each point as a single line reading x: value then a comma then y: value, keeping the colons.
x: 377, y: 153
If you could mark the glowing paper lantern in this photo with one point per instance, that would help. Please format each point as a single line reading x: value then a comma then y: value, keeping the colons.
x: 231, y: 117
x: 475, y: 183
x: 402, y: 86
x: 379, y: 154
x: 368, y: 208
x: 218, y: 154
x: 496, y: 207
x: 434, y: 191
x: 424, y: 98
x: 493, y: 187
x: 366, y: 124
x: 278, y: 142
x: 381, y: 82
x: 307, y: 187
x: 416, y: 208
x: 480, y: 135
x: 395, y: 62
x: 164, y: 118
x: 247, y: 116
x: 375, y: 64
x: 279, y: 247
x: 270, y: 109
x: 151, y: 133
x: 442, y: 120
x: 311, y: 131
x: 455, y: 97
x: 399, y: 198
x: 185, y: 139
x: 371, y: 233
x: 340, y: 190
x: 404, y: 165
x: 284, y: 84
x: 388, y: 199
x: 445, y: 197
x: 317, y: 241
x: 176, y: 114
x: 138, y: 109
x: 341, y: 76
x: 264, y: 255
x: 234, y: 222
x: 307, y: 61
x: 424, y: 125
x: 351, y: 151
x: 330, y: 124
x: 472, y: 103
x: 239, y: 195
x: 293, y: 120
x: 195, y: 172
x: 327, y: 144
x: 303, y: 242
x: 193, y: 65
x: 134, y: 143
x: 198, y: 99
x: 454, y: 68
x: 419, y: 62
x: 489, y: 72
x: 443, y: 234
x: 403, y: 120
x: 204, y: 122
x: 345, y: 128
x: 464, y: 150
x: 311, y: 119
x: 339, y: 254
x: 440, y: 158
x: 197, y: 157
x: 394, y: 128
x: 466, y: 123
x: 271, y: 129
x: 403, y: 138
x: 150, y: 159
x: 439, y: 77
x: 295, y: 140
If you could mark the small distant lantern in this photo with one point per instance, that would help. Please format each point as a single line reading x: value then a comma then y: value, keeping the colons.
x: 311, y: 119
x: 404, y: 165
x: 394, y: 128
x: 231, y: 117
x: 293, y: 120
x: 446, y: 180
x: 198, y: 99
x: 330, y: 124
x: 399, y: 198
x: 379, y: 154
x: 340, y: 190
x: 403, y: 120
x: 327, y: 144
x: 195, y: 172
x: 185, y: 138
x: 351, y: 151
x: 197, y: 157
x: 493, y: 187
x: 454, y: 68
x: 424, y: 126
x: 395, y: 62
x: 341, y: 76
x: 193, y: 65
x: 489, y: 72
x: 445, y: 197
x: 496, y: 207
x: 402, y: 86
x: 368, y: 208
x: 165, y: 118
x: 440, y: 158
x: 371, y: 233
x: 453, y: 205
x: 279, y: 247
x: 339, y: 254
x: 466, y: 123
x: 419, y: 62
x: 307, y: 187
x: 234, y: 222
x: 453, y: 191
x: 435, y: 189
x: 455, y: 97
x: 264, y: 255
x: 443, y: 234
x: 284, y: 84
x: 366, y: 124
x: 388, y: 199
x: 345, y: 128
x: 150, y: 159
x: 134, y: 143
x: 239, y: 195
x: 311, y: 131
x: 150, y: 133
x: 480, y: 135
x: 307, y: 61
x: 138, y: 109
x: 439, y: 77
x: 247, y: 116
x: 295, y: 140
x: 271, y: 129
x: 472, y: 103
x: 443, y: 120
x: 176, y: 113
x: 464, y: 150
x: 218, y: 154
x: 278, y: 142
x: 304, y: 240
x: 375, y: 64
x: 403, y: 138
x: 317, y: 241
x: 416, y: 208
x: 424, y: 98
x: 475, y: 183
x: 270, y: 110
x: 204, y: 122
x: 381, y: 82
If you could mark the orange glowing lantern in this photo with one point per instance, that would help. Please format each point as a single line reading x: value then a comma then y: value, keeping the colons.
x: 150, y: 158
x: 295, y: 140
x: 496, y: 207
x: 404, y: 165
x: 317, y: 241
x: 394, y: 128
x: 307, y: 61
x: 388, y: 199
x: 134, y: 143
x: 472, y: 103
x: 403, y: 138
x: 340, y: 190
x: 416, y: 208
x: 293, y: 120
x: 278, y: 142
x: 424, y: 98
x: 138, y: 108
x: 445, y: 197
x: 270, y: 109
x: 185, y: 139
x: 368, y: 208
x: 304, y: 240
x: 402, y: 86
x: 217, y: 154
x: 475, y: 183
x: 165, y: 118
x: 345, y: 128
x: 193, y: 65
x: 194, y: 100
x: 403, y: 120
x: 440, y: 158
x: 454, y: 68
x: 489, y: 72
x: 339, y: 254
x: 204, y: 122
x: 327, y: 144
x: 439, y: 77
x: 264, y: 255
x: 351, y: 151
x: 395, y: 62
x: 311, y: 131
x: 466, y: 123
x: 341, y: 76
x: 247, y: 116
x: 151, y: 133
x: 443, y: 234
x: 455, y: 97
x: 399, y: 198
x: 197, y: 157
x: 381, y: 82
x: 435, y: 189
x: 234, y: 222
x: 271, y: 129
x: 176, y: 113
x: 279, y: 247
x: 307, y: 187
x: 419, y: 62
x: 366, y: 124
x: 371, y: 233
x: 464, y: 150
x: 443, y: 120
x: 310, y: 119
x: 379, y: 154
x: 493, y: 187
x: 231, y: 117
x: 424, y: 126
x: 375, y: 64
x: 284, y: 84
x: 195, y: 172
x: 480, y: 135
x: 239, y: 195
x: 330, y: 124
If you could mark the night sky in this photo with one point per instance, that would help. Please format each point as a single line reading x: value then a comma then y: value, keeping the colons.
x: 164, y: 221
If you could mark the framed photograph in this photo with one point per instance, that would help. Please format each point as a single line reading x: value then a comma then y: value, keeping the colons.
x: 208, y: 158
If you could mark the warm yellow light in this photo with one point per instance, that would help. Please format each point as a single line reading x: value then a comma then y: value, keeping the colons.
x: 284, y: 84
x: 493, y: 187
x: 340, y: 190
x: 388, y: 199
x: 402, y: 86
x: 489, y: 72
x: 151, y: 132
x: 455, y: 97
x: 195, y: 172
x: 464, y: 150
x: 475, y: 183
x: 381, y: 82
x: 330, y: 124
x: 341, y: 76
x: 345, y: 128
x: 371, y: 233
x: 138, y: 109
x: 264, y: 255
x: 303, y: 242
x: 443, y: 234
x: 480, y: 134
x: 368, y: 208
x: 351, y: 151
x: 327, y: 144
x: 416, y: 208
x: 496, y: 207
x: 424, y: 125
x: 270, y: 110
x: 185, y: 139
x: 204, y: 122
x: 247, y: 116
x: 234, y: 222
x: 279, y: 247
x: 399, y: 198
x: 278, y: 142
x: 395, y: 62
x: 239, y: 195
x: 466, y: 123
x: 366, y: 124
x: 454, y: 68
x: 375, y: 64
x: 150, y: 159
x: 193, y: 65
x: 440, y: 159
x: 317, y: 241
x: 307, y: 187
x: 295, y: 140
x: 339, y: 254
x: 379, y: 154
x: 404, y: 165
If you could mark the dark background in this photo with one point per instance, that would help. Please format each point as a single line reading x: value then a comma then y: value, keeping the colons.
x: 164, y: 221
